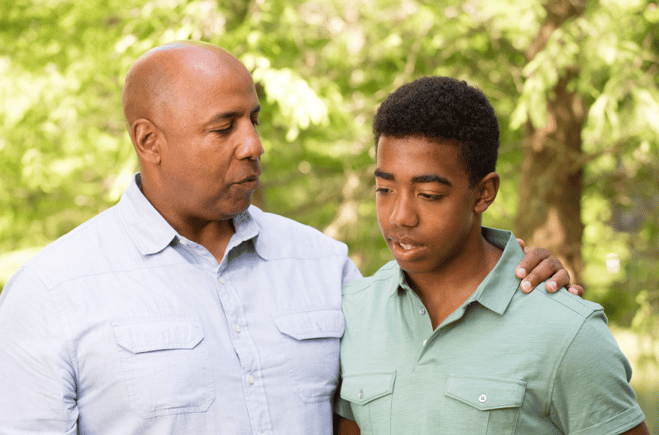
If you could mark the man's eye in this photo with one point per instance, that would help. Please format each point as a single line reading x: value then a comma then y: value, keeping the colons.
x: 381, y: 190
x: 223, y: 130
x: 255, y: 122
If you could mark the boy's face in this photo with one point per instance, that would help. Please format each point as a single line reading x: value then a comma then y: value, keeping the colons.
x: 424, y: 203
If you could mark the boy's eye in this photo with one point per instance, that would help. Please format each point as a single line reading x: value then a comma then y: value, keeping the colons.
x: 381, y: 190
x: 430, y: 196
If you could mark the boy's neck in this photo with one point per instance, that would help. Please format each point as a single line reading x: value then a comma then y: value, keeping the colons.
x: 443, y: 291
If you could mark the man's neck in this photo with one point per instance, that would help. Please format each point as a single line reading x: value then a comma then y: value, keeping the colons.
x: 443, y: 291
x: 212, y: 235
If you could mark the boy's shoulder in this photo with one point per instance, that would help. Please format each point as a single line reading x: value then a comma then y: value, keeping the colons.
x: 387, y: 276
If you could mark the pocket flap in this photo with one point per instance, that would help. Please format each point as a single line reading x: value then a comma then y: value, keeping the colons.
x: 311, y: 324
x: 364, y: 387
x: 148, y: 335
x: 486, y: 393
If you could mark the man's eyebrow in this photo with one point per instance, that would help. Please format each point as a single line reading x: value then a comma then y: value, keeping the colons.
x: 229, y: 115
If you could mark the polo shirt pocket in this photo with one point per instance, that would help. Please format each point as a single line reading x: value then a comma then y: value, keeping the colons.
x: 311, y: 340
x: 166, y: 366
x: 370, y: 396
x: 480, y: 405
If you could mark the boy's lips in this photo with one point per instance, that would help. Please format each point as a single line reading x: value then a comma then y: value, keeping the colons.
x: 405, y: 248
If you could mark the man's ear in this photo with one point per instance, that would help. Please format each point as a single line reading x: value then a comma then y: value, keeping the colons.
x: 486, y: 191
x: 146, y: 139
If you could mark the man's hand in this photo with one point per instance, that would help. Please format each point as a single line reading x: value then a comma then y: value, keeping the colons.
x: 542, y: 266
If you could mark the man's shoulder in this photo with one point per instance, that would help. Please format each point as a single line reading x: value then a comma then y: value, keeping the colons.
x: 87, y: 248
x: 288, y: 238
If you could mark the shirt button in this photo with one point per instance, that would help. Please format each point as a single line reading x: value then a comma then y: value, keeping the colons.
x: 422, y: 310
x: 237, y: 328
x: 251, y: 379
x: 222, y: 280
x: 360, y: 394
x: 184, y: 242
x: 482, y: 398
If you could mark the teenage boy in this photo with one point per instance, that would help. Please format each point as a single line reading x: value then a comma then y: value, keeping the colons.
x: 441, y: 341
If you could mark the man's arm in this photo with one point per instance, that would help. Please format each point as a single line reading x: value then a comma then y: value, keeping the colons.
x: 37, y: 386
x: 349, y: 427
x: 543, y: 266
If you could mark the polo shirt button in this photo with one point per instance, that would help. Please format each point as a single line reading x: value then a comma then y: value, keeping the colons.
x: 251, y: 379
x: 222, y: 280
x: 237, y: 328
x: 422, y: 310
x: 482, y: 398
x: 360, y: 394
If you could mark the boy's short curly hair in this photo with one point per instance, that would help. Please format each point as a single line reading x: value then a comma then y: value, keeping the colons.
x: 443, y: 108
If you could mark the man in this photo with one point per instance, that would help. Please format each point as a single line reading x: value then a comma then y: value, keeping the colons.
x: 440, y: 341
x: 182, y: 309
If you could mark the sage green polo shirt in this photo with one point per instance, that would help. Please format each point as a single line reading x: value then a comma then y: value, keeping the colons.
x: 504, y: 362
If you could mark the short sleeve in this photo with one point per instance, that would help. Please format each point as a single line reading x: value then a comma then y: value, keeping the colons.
x: 591, y: 393
x: 37, y: 388
x: 343, y: 409
x: 350, y: 272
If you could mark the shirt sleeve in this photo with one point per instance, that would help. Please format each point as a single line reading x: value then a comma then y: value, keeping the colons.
x: 37, y: 386
x: 591, y: 393
x: 350, y: 271
x: 343, y: 408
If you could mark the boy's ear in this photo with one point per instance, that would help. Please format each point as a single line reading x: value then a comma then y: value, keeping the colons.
x: 486, y: 191
x: 146, y: 139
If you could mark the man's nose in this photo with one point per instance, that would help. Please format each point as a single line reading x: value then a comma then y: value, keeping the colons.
x: 250, y: 146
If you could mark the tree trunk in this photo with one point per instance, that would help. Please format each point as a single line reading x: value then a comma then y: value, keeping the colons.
x: 551, y: 183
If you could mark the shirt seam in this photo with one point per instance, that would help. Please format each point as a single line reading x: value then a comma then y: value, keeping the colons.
x: 564, y: 351
x: 66, y: 323
x: 581, y: 303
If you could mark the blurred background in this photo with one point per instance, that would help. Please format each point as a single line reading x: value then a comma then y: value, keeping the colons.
x: 575, y: 85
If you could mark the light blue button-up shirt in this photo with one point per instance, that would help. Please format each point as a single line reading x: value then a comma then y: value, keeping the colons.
x: 124, y: 327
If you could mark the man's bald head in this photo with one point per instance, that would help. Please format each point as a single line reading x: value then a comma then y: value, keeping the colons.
x: 155, y: 82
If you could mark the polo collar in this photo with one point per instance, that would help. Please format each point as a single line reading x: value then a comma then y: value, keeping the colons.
x: 497, y: 289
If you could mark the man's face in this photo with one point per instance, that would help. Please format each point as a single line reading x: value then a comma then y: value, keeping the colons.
x: 424, y: 203
x: 211, y: 153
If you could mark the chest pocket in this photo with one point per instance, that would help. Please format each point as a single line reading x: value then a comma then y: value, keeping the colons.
x: 311, y: 341
x: 370, y: 396
x: 475, y: 405
x: 166, y: 366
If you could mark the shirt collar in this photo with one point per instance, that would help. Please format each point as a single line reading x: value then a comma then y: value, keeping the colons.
x: 151, y: 233
x: 146, y: 227
x: 497, y: 289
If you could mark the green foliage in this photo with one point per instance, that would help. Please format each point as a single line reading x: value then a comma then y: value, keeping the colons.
x: 321, y: 68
